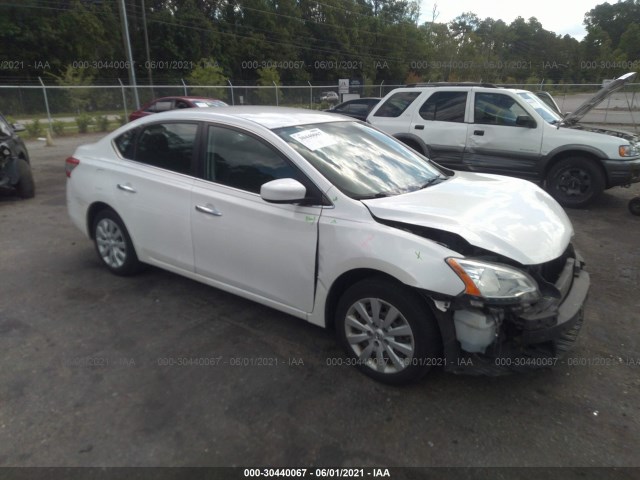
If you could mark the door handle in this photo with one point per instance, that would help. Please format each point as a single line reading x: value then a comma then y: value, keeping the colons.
x: 126, y: 188
x: 478, y: 132
x: 419, y: 127
x: 209, y: 210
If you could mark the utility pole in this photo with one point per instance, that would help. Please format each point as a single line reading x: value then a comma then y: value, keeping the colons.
x: 146, y: 46
x: 127, y: 47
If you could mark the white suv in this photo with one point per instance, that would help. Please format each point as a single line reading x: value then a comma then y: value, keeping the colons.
x: 482, y: 128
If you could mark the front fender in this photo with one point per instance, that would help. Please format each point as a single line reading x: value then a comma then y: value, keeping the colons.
x: 574, y: 149
x: 347, y: 245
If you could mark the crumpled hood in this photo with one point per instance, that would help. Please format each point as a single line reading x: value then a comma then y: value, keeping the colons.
x: 504, y: 215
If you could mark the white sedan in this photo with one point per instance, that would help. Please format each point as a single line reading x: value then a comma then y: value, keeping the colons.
x: 334, y: 222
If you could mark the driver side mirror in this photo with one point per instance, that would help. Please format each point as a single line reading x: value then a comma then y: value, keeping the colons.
x: 525, y: 121
x: 18, y: 127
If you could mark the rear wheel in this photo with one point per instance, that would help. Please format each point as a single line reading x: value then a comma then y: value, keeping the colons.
x: 634, y: 205
x: 414, y: 146
x: 113, y: 244
x: 575, y: 182
x: 388, y: 331
x: 26, y: 187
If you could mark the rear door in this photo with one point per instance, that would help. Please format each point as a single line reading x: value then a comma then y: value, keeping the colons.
x: 504, y: 137
x: 440, y: 122
x: 152, y: 188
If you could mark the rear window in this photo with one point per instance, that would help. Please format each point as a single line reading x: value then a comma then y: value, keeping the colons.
x: 396, y: 104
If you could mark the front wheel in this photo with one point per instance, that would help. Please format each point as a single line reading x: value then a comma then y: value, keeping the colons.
x: 113, y: 244
x: 388, y: 331
x: 26, y: 187
x: 575, y: 182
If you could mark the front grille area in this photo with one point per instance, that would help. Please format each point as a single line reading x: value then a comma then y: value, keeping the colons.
x: 550, y: 271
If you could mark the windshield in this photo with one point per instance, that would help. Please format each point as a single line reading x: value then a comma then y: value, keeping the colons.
x: 539, y: 106
x: 359, y: 160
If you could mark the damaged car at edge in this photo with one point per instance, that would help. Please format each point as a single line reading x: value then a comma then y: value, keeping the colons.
x: 334, y: 222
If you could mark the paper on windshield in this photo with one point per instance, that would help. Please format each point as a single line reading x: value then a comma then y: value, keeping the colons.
x: 314, y: 139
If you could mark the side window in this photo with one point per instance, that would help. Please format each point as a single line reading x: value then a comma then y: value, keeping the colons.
x: 239, y: 160
x: 160, y: 106
x: 359, y: 108
x: 396, y: 104
x: 445, y: 107
x: 166, y: 145
x: 125, y: 144
x: 497, y: 109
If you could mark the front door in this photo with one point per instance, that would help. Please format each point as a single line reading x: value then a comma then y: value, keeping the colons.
x: 242, y: 241
x: 503, y: 137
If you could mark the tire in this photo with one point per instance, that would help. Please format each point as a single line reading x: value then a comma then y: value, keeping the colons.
x: 398, y: 352
x: 26, y: 187
x: 634, y: 206
x: 113, y: 244
x: 414, y: 146
x: 575, y: 182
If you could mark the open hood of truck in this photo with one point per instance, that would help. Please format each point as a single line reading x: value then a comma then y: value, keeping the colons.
x: 504, y: 215
x: 575, y: 116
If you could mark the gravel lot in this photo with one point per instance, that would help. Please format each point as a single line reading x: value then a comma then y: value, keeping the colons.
x: 85, y: 383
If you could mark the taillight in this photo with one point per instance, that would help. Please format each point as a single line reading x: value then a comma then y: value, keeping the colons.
x: 69, y: 164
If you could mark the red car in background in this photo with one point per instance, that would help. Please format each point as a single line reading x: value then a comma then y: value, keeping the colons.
x: 171, y: 103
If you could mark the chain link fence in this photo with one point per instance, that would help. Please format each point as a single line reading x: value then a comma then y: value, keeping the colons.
x: 47, y: 102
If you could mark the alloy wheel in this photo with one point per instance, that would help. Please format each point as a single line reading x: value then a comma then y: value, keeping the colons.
x: 111, y: 243
x: 379, y: 335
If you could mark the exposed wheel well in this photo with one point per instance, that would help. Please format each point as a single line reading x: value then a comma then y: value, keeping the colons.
x: 409, y: 142
x: 94, y: 209
x: 575, y: 153
x: 341, y: 284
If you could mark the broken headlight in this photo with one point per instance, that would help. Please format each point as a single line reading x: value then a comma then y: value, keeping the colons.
x: 495, y: 283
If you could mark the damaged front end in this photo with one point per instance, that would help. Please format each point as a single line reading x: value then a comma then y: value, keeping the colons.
x: 9, y: 175
x: 512, y: 317
x: 523, y: 285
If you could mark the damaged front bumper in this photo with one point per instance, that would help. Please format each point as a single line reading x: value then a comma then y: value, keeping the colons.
x: 9, y: 175
x: 499, y: 340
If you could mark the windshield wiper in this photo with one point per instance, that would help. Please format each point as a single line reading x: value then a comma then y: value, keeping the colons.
x: 376, y: 195
x: 432, y: 181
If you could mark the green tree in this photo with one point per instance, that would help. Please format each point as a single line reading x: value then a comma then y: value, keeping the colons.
x: 208, y: 73
x: 629, y: 44
x: 79, y: 99
x: 613, y: 18
x: 267, y: 77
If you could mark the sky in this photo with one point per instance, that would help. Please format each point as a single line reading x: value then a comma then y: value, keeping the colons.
x: 558, y: 16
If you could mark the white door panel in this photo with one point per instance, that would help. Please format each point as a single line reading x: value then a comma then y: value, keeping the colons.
x: 154, y: 205
x: 440, y: 122
x: 496, y: 142
x: 263, y: 248
x: 446, y: 140
x: 506, y: 149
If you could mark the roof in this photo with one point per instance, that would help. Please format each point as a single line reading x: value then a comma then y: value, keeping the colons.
x: 268, y: 117
x: 451, y: 84
x: 183, y: 97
